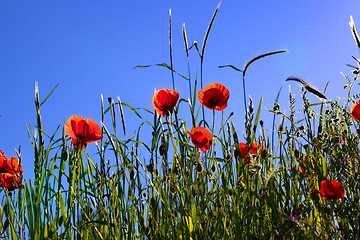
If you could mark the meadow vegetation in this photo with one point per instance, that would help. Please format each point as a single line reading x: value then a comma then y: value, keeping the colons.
x: 192, y: 177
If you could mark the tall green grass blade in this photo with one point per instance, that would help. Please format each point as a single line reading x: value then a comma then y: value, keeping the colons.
x: 49, y: 95
x: 208, y: 32
x: 122, y: 115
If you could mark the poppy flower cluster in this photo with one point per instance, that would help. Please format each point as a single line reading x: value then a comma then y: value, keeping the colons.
x: 83, y: 131
x: 252, y: 149
x: 214, y: 96
x: 332, y: 190
x: 355, y: 111
x: 201, y: 138
x: 10, y: 172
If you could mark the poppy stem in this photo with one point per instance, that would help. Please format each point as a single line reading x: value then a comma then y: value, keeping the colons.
x: 171, y: 131
x: 244, y: 93
x: 201, y: 85
x: 213, y: 124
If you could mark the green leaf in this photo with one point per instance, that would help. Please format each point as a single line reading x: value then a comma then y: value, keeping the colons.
x: 231, y: 66
x: 259, y: 57
x: 49, y: 95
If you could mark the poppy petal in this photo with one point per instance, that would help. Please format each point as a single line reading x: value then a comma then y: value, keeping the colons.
x: 355, y: 111
x: 71, y: 125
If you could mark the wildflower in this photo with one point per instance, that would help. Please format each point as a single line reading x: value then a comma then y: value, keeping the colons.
x: 244, y: 150
x: 83, y: 131
x: 214, y: 96
x: 331, y: 189
x: 10, y: 165
x: 355, y: 111
x: 10, y: 181
x: 201, y: 138
x: 306, y: 162
x: 9, y: 172
x: 164, y: 101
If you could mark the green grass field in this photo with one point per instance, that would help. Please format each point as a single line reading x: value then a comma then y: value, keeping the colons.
x: 184, y: 176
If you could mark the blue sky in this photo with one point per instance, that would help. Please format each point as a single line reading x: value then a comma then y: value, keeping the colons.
x: 91, y: 48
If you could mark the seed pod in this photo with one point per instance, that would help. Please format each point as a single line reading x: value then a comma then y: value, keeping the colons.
x: 199, y: 168
x: 132, y: 174
x: 261, y: 123
x: 162, y: 149
x: 213, y: 168
x: 150, y: 168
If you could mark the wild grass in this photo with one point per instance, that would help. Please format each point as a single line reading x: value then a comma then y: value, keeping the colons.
x: 163, y: 187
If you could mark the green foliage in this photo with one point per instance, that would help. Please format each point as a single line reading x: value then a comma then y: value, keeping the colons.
x: 156, y: 184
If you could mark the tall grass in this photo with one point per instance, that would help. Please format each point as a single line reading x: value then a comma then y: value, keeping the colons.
x: 165, y: 188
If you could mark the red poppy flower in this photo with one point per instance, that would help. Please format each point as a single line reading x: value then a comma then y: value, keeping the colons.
x: 355, y: 111
x: 164, y: 101
x: 10, y: 181
x: 214, y: 96
x: 83, y: 131
x: 331, y: 189
x: 255, y: 147
x: 10, y: 165
x: 201, y: 138
x: 244, y: 150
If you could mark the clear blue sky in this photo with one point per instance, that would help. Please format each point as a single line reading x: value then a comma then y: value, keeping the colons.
x: 91, y: 47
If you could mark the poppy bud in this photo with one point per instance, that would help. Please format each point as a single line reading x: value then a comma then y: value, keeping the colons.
x: 132, y: 174
x: 199, y: 168
x: 162, y: 149
x: 64, y: 155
